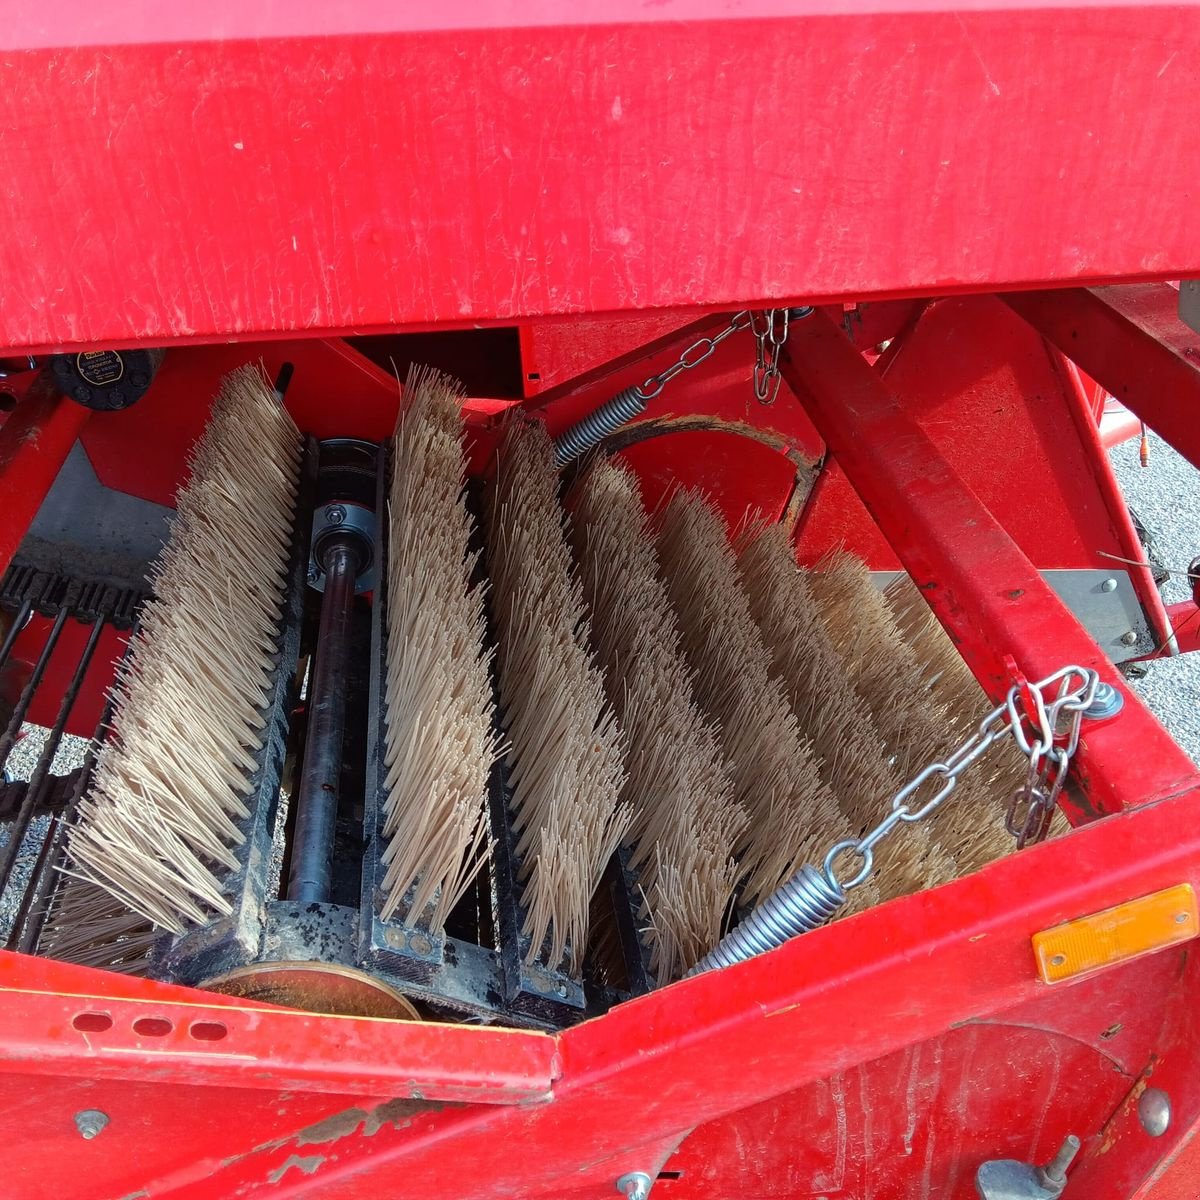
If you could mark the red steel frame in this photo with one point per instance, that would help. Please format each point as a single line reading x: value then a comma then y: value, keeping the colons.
x: 378, y: 174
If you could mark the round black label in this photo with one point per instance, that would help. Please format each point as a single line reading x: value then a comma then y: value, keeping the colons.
x: 100, y: 367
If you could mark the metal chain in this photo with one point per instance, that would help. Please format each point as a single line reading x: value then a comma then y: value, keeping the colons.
x: 770, y: 329
x: 1034, y: 726
x: 693, y: 356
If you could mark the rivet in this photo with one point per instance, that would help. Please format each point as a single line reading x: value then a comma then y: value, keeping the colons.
x: 1109, y: 585
x: 421, y: 944
x: 1154, y: 1111
x: 1129, y: 638
x: 90, y: 1122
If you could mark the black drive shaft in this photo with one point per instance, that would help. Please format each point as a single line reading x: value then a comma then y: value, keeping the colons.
x: 311, y: 874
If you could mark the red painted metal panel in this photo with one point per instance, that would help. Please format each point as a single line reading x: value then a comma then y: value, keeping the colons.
x: 1132, y: 341
x: 135, y: 1039
x: 825, y: 1003
x: 920, y: 1121
x: 1009, y: 416
x: 983, y: 589
x: 190, y: 189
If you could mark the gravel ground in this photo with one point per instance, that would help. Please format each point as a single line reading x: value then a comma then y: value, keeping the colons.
x: 1166, y: 496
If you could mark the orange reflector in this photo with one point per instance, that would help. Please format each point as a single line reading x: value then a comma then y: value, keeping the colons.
x: 1116, y: 934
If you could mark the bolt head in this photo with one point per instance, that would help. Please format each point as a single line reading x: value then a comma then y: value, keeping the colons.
x: 1129, y: 638
x: 1109, y: 585
x: 313, y: 573
x: 1154, y: 1111
x: 335, y: 514
x: 90, y: 1122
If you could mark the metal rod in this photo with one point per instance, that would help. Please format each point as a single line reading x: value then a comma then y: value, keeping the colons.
x: 41, y: 772
x: 8, y: 740
x: 14, y: 630
x: 35, y: 904
x: 311, y: 874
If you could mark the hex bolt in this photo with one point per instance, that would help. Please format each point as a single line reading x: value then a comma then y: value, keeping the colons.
x: 90, y: 1122
x: 1055, y: 1171
x: 1107, y: 702
x: 1109, y: 585
x: 1154, y: 1111
x: 335, y: 514
x: 635, y: 1185
x: 1129, y: 638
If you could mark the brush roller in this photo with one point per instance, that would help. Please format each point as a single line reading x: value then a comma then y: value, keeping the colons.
x: 397, y: 741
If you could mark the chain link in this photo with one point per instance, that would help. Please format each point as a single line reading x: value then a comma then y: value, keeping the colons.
x: 693, y: 356
x: 1034, y: 725
x: 770, y: 329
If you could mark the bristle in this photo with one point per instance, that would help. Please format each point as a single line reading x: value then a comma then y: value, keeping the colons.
x: 87, y: 926
x: 440, y: 736
x: 793, y: 816
x: 887, y: 675
x: 157, y: 829
x: 685, y: 820
x: 972, y: 821
x: 848, y: 748
x: 566, y: 748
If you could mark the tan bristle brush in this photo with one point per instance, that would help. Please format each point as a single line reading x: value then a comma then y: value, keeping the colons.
x: 87, y: 926
x: 794, y: 818
x: 566, y: 748
x: 917, y: 728
x: 973, y: 820
x: 685, y: 820
x: 440, y: 738
x: 157, y: 828
x: 849, y: 749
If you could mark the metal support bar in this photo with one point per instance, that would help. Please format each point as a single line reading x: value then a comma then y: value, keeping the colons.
x: 41, y: 771
x: 1002, y: 615
x: 1131, y: 341
x: 34, y: 444
x: 311, y: 874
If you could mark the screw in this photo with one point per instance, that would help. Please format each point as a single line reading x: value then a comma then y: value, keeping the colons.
x: 1058, y: 960
x: 395, y: 938
x: 335, y: 514
x: 421, y: 944
x: 635, y: 1185
x: 1154, y: 1111
x: 1181, y: 918
x: 1109, y: 585
x: 1129, y: 638
x: 90, y: 1122
x: 313, y: 574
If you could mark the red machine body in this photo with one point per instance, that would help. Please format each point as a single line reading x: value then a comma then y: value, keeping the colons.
x: 606, y: 187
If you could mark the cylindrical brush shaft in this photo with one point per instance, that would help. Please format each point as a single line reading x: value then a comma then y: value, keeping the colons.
x: 310, y: 878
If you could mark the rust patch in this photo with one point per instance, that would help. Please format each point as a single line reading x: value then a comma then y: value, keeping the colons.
x: 1015, y: 593
x: 397, y: 1113
x: 1111, y: 1132
x: 305, y: 1165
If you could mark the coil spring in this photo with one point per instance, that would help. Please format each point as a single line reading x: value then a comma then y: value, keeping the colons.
x: 573, y: 443
x: 802, y: 904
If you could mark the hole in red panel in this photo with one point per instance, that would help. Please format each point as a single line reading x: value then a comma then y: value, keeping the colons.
x: 670, y: 1174
x: 208, y: 1031
x: 92, y: 1022
x: 7, y: 402
x: 152, y: 1026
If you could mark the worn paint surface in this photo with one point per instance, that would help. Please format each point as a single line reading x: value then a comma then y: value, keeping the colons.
x: 412, y: 175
